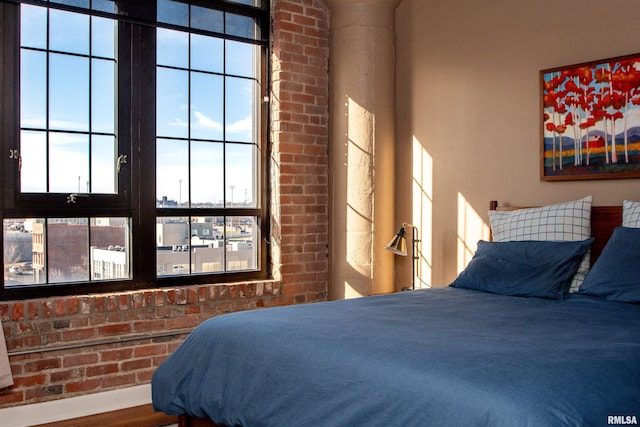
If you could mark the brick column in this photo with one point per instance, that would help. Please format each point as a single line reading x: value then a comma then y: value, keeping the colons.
x: 362, y: 116
x: 299, y: 138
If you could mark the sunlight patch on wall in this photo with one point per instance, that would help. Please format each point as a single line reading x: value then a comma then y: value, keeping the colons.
x: 359, y: 164
x: 471, y: 228
x: 352, y: 291
x: 422, y: 214
x: 358, y: 221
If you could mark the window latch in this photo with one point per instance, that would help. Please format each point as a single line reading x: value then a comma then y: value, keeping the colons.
x: 71, y: 198
x: 122, y: 159
x: 14, y: 154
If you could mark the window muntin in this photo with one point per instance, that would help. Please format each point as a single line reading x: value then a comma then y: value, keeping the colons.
x: 207, y: 116
x: 207, y: 141
x: 217, y: 244
x: 206, y: 172
x: 67, y: 98
x: 65, y: 250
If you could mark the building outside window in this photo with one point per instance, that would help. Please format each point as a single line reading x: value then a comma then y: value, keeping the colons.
x: 136, y: 133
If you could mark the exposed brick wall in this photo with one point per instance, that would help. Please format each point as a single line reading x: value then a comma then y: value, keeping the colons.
x: 299, y: 120
x: 105, y: 337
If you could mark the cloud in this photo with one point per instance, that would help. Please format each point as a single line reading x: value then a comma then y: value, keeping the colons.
x: 178, y: 123
x: 207, y: 122
x: 241, y: 126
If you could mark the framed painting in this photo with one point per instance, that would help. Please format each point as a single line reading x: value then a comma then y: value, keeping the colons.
x: 591, y: 120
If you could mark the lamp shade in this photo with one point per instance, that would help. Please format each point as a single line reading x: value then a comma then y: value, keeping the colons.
x: 398, y: 245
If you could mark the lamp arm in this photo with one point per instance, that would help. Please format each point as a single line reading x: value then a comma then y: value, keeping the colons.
x: 415, y: 239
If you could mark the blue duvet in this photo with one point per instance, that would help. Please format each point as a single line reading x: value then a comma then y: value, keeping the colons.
x: 437, y: 357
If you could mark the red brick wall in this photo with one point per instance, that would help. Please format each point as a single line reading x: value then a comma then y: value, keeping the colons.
x: 105, y: 337
x: 299, y: 118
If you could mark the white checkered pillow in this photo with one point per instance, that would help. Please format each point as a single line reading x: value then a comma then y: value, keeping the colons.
x: 631, y: 214
x: 569, y: 221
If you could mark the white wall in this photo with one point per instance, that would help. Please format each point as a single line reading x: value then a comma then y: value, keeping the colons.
x: 468, y: 101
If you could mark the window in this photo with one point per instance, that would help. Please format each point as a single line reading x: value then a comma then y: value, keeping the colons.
x: 127, y: 111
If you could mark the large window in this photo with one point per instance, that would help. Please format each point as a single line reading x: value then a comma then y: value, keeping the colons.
x: 119, y: 112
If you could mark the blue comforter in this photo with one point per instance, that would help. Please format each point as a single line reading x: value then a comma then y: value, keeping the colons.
x: 445, y: 356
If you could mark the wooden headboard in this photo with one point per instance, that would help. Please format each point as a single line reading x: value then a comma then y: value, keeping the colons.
x: 603, y: 220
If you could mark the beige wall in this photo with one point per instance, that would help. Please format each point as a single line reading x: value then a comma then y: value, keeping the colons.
x: 468, y: 111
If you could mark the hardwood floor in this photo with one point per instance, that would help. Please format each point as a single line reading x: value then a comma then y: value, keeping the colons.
x: 139, y: 416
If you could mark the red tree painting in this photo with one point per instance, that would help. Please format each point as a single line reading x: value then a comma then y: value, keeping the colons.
x: 591, y: 120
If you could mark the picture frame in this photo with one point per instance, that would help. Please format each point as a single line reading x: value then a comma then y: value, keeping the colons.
x: 591, y: 120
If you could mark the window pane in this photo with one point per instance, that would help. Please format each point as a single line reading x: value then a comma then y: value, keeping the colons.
x: 206, y: 53
x: 206, y: 106
x: 110, y: 248
x: 242, y: 242
x: 34, y: 34
x: 207, y: 19
x: 68, y: 32
x: 69, y: 92
x: 103, y: 157
x: 22, y: 265
x: 103, y: 37
x: 173, y: 12
x: 68, y: 163
x: 172, y: 246
x: 240, y: 107
x: 241, y: 170
x: 67, y: 249
x: 103, y: 5
x: 238, y: 25
x: 172, y: 103
x: 240, y: 58
x: 77, y: 3
x: 33, y: 89
x: 207, y: 174
x: 103, y: 96
x: 172, y: 173
x: 33, y: 173
x: 172, y: 48
x: 207, y: 244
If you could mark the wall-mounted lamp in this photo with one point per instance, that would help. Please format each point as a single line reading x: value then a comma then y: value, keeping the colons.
x: 398, y: 245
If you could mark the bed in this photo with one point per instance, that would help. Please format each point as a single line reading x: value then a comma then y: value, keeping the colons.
x: 472, y: 353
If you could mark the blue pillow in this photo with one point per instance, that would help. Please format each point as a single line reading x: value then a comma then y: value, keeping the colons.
x: 616, y: 273
x: 523, y: 268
